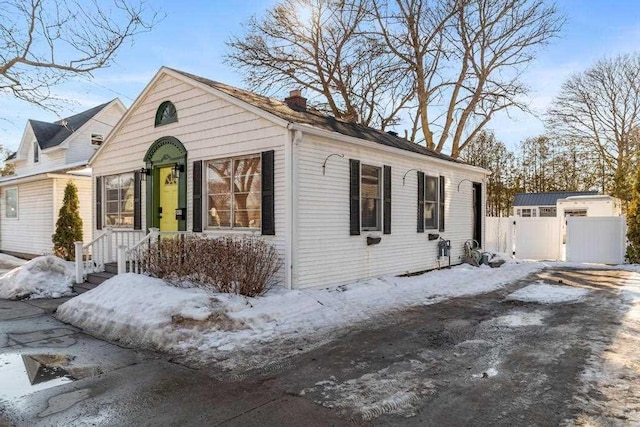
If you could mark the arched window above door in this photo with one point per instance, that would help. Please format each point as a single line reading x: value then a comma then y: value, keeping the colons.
x: 166, y: 114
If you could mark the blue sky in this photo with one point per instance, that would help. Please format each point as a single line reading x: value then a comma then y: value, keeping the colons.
x: 192, y: 38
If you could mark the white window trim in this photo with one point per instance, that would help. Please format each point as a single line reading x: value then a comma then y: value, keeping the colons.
x: 380, y: 198
x: 528, y: 210
x: 436, y: 226
x: 104, y: 204
x: 17, y: 203
x: 205, y: 206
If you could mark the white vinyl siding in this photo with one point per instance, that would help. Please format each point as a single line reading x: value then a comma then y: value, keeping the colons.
x: 326, y: 255
x: 31, y: 232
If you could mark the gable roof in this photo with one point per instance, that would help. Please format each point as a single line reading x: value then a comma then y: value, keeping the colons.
x: 317, y: 119
x: 52, y: 134
x: 547, y: 199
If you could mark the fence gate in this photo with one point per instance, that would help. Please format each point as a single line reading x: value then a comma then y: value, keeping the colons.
x: 596, y: 239
x: 537, y: 238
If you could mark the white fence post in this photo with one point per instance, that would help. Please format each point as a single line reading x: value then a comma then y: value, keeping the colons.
x: 122, y: 259
x: 109, y: 236
x: 79, y: 262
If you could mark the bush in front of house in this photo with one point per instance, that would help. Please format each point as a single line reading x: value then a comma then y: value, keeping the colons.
x: 240, y: 265
x: 69, y: 224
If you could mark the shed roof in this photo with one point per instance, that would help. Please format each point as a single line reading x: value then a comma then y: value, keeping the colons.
x: 548, y: 198
x: 319, y: 120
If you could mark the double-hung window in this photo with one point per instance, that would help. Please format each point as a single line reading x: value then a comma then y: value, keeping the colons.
x: 370, y: 198
x: 234, y: 187
x: 431, y: 193
x: 118, y: 200
x: 11, y: 202
x: 36, y: 152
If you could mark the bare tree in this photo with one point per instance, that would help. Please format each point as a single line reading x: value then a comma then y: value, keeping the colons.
x: 467, y: 57
x: 327, y: 47
x: 45, y: 42
x: 600, y: 108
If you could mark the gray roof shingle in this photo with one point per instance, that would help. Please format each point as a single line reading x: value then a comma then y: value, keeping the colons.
x: 319, y: 120
x: 52, y: 134
x: 547, y: 199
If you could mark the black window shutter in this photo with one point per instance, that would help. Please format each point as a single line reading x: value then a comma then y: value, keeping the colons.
x: 441, y: 216
x: 420, y: 202
x: 137, y: 201
x: 98, y: 203
x: 386, y: 204
x: 197, y: 197
x: 354, y: 197
x: 268, y: 207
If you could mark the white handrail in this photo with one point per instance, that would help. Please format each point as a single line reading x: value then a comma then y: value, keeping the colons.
x: 93, y: 256
x: 131, y: 259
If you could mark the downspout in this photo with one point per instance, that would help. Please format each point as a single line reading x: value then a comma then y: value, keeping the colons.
x: 291, y: 173
x: 290, y: 202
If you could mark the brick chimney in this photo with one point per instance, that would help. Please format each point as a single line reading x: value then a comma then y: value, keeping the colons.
x: 296, y: 101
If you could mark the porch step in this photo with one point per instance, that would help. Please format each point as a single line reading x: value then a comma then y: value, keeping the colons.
x: 111, y: 267
x: 98, y: 278
x: 83, y: 287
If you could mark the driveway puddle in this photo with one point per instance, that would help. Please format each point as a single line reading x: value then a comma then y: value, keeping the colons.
x: 22, y: 374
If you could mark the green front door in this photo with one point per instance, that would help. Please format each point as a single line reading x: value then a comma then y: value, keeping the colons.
x: 167, y: 186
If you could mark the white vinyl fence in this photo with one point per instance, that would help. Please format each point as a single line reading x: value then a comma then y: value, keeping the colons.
x: 588, y: 239
x: 499, y: 234
x: 537, y: 238
x: 596, y: 239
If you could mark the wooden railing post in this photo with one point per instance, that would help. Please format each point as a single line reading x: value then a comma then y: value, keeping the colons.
x: 79, y: 262
x: 122, y: 259
x: 155, y: 233
x: 109, y: 237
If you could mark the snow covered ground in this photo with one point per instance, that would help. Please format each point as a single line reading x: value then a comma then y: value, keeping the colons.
x: 42, y: 277
x: 145, y: 312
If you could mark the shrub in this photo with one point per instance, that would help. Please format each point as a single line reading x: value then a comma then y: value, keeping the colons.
x: 69, y: 224
x: 633, y: 224
x: 240, y: 265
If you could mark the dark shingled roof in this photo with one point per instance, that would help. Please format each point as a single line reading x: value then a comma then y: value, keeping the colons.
x: 547, y: 199
x: 319, y: 120
x: 52, y: 134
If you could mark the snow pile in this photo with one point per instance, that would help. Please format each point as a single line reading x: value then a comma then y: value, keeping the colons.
x: 8, y: 262
x: 544, y: 293
x: 42, y: 277
x: 142, y: 311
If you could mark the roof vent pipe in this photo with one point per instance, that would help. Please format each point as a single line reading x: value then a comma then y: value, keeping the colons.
x: 392, y: 133
x: 296, y: 101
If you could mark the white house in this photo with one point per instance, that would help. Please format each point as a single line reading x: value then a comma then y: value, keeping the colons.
x: 339, y: 200
x: 50, y: 155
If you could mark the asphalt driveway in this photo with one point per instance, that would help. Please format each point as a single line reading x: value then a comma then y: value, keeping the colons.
x: 467, y: 361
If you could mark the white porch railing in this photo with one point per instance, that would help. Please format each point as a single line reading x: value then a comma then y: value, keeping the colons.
x: 92, y: 257
x: 131, y: 259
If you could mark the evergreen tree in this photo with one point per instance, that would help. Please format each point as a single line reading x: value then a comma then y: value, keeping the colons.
x: 633, y: 223
x: 69, y: 224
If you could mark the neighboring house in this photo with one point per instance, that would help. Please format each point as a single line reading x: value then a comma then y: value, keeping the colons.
x: 49, y: 156
x: 542, y: 204
x: 339, y: 200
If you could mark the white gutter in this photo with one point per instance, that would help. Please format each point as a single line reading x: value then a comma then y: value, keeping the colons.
x: 21, y: 178
x: 374, y: 145
x: 32, y: 178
